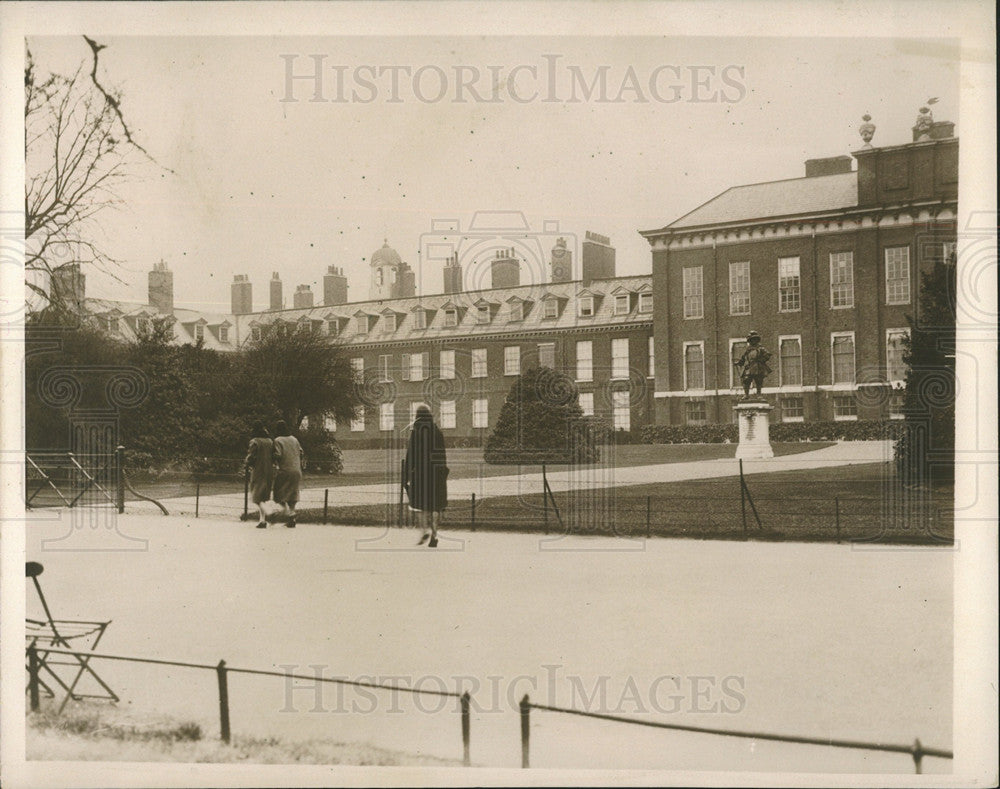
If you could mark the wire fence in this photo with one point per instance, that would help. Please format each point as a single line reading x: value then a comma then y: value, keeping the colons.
x: 837, y: 504
x: 37, y: 657
x: 917, y: 751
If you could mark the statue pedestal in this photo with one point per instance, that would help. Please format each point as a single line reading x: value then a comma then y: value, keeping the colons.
x: 754, y: 422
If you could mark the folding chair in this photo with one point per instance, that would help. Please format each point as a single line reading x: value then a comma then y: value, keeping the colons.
x: 63, y: 671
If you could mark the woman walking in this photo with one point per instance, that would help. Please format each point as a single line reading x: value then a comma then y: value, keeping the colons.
x: 260, y: 463
x: 425, y: 474
x: 289, y: 459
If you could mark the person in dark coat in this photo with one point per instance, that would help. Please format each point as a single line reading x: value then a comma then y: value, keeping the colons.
x: 288, y: 459
x: 260, y: 463
x: 425, y: 474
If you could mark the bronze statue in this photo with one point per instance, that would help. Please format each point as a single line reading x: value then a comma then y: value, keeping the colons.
x: 753, y: 364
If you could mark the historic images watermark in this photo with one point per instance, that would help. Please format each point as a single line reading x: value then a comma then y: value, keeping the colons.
x: 314, y: 78
x: 311, y: 688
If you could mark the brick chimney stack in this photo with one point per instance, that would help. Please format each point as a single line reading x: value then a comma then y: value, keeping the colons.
x: 161, y: 288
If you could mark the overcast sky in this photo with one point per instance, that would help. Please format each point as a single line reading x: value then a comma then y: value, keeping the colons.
x: 264, y: 185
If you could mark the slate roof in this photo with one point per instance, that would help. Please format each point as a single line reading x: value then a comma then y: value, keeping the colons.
x: 771, y: 199
x: 533, y: 319
x: 184, y: 322
x: 532, y: 297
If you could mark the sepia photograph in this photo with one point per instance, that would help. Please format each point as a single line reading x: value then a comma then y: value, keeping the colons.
x: 529, y: 394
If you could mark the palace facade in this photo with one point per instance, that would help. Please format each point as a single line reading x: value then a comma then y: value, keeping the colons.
x: 825, y: 267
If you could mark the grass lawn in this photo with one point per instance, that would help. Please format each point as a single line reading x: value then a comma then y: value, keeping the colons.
x: 846, y: 503
x: 103, y: 732
x: 374, y: 466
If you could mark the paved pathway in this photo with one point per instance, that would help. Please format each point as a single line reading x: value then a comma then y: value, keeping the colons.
x: 843, y: 453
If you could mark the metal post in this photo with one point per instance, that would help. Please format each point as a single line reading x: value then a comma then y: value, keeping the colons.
x: 326, y: 502
x: 465, y: 729
x: 246, y: 494
x: 545, y: 499
x: 223, y: 700
x: 120, y: 477
x: 836, y: 502
x: 649, y: 504
x: 918, y: 756
x: 197, y: 497
x: 473, y: 511
x: 525, y: 729
x: 743, y: 500
x: 401, y: 517
x: 33, y: 677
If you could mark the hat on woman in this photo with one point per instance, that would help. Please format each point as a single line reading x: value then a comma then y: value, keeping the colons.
x: 753, y: 336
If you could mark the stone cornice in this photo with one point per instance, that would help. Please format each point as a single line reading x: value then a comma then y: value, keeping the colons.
x: 494, y: 336
x: 844, y: 221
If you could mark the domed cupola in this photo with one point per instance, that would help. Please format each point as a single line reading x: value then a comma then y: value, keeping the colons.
x: 386, y: 255
x: 391, y: 277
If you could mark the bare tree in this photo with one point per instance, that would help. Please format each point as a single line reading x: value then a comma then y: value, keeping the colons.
x: 77, y: 149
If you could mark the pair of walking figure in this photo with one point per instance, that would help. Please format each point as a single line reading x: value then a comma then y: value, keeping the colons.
x: 425, y: 474
x: 275, y: 467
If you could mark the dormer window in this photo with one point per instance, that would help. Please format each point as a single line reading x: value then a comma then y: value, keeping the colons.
x: 143, y: 324
x: 420, y: 319
x: 333, y: 327
x: 621, y: 304
x: 304, y: 327
x: 483, y: 313
x: 551, y: 309
x: 645, y: 302
x: 223, y: 334
x: 517, y: 310
x: 113, y: 325
x: 390, y: 322
x: 451, y: 317
x: 362, y: 324
x: 255, y: 333
x: 586, y: 306
x: 199, y: 332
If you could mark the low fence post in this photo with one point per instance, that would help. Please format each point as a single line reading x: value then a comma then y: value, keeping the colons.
x: 545, y: 500
x: 743, y: 500
x: 525, y: 730
x: 918, y: 756
x: 649, y: 505
x: 401, y: 516
x: 223, y: 700
x: 120, y: 478
x: 246, y: 494
x: 197, y: 498
x: 33, y: 677
x: 326, y: 502
x: 836, y: 504
x: 473, y: 511
x: 466, y: 720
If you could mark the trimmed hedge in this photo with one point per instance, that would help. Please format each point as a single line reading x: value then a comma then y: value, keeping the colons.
x: 688, y: 434
x: 865, y: 430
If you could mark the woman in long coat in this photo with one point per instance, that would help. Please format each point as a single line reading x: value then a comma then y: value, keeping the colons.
x: 260, y: 463
x: 288, y: 459
x: 425, y: 473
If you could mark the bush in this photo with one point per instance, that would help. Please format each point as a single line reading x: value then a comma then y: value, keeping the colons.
x: 689, y: 434
x: 323, y: 453
x: 867, y: 430
x: 864, y: 430
x: 541, y: 422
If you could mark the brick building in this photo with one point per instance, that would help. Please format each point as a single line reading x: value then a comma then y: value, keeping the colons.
x: 825, y: 267
x: 460, y: 351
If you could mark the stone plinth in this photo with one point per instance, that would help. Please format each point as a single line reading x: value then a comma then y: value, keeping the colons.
x: 753, y: 417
